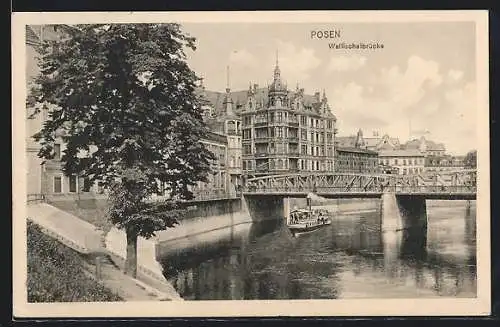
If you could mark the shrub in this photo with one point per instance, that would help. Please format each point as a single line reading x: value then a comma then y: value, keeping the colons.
x: 55, y: 273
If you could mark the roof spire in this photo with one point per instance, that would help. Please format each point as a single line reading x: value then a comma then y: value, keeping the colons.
x: 228, y: 101
x: 277, y: 71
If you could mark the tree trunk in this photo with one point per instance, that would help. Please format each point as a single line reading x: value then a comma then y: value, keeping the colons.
x: 131, y: 260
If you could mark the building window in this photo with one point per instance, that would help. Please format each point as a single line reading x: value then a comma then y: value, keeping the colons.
x: 303, y: 134
x: 57, y: 184
x: 395, y: 161
x: 86, y: 184
x: 279, y: 132
x: 57, y: 151
x: 73, y: 183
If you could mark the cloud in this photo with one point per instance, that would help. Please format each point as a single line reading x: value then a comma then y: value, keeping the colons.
x: 406, y: 88
x: 296, y: 63
x: 454, y: 122
x: 455, y: 75
x: 346, y: 63
x: 395, y: 99
x: 242, y: 57
x: 388, y: 100
x: 247, y: 65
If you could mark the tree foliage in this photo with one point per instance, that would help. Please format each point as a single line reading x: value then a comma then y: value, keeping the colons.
x: 55, y: 272
x: 122, y: 99
x: 470, y: 160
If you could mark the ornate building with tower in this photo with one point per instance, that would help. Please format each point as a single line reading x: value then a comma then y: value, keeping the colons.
x: 285, y: 131
x: 228, y: 123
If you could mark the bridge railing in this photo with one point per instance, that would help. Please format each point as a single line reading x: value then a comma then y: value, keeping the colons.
x: 365, y: 190
x: 203, y: 195
x: 314, y: 190
x: 35, y: 198
x: 428, y: 189
x: 214, y: 195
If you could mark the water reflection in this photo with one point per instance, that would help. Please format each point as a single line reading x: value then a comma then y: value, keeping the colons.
x: 351, y: 258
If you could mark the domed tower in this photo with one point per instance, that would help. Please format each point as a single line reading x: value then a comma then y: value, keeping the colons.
x: 232, y: 129
x: 251, y: 102
x: 360, y: 141
x: 325, y: 107
x: 228, y: 101
x: 277, y: 90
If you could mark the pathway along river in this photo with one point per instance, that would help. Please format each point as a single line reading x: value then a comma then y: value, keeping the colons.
x: 351, y: 258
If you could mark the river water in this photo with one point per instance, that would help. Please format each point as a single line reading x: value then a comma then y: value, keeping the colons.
x: 351, y: 258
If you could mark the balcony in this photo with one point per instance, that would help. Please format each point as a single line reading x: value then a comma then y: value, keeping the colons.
x: 261, y: 154
x: 293, y: 139
x: 279, y: 123
x: 261, y: 124
x: 261, y: 139
x: 293, y: 122
x: 262, y: 169
x: 233, y: 131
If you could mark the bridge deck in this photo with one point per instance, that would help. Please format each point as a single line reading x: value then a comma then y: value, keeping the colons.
x: 367, y: 195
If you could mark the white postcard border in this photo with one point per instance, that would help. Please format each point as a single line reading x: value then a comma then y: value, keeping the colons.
x: 352, y: 307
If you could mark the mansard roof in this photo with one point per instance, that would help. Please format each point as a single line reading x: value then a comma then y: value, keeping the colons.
x: 216, y: 99
x: 345, y: 141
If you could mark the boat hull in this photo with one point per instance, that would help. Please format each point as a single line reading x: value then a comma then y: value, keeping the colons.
x: 299, y: 229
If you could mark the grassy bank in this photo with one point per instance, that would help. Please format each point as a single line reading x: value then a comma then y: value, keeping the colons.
x: 56, y: 273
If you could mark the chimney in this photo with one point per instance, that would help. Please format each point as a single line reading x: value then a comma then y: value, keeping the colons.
x: 317, y: 97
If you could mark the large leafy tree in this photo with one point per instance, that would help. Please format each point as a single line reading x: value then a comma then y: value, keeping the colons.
x: 123, y: 100
x: 470, y: 160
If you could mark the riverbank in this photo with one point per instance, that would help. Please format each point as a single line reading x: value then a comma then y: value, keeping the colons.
x: 66, y: 281
x: 81, y: 240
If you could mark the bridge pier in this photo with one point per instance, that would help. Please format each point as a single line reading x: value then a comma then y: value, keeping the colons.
x: 400, y: 212
x: 266, y: 207
x: 286, y: 208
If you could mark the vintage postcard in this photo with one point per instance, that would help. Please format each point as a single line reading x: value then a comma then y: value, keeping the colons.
x: 217, y: 164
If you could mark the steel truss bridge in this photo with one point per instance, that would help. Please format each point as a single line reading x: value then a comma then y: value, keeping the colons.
x: 449, y: 184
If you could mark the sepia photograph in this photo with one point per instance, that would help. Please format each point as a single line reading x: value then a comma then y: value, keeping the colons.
x: 251, y: 164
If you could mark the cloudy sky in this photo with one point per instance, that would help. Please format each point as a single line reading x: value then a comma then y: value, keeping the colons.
x: 424, y: 77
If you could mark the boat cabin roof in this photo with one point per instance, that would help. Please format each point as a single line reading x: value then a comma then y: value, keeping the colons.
x: 300, y: 211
